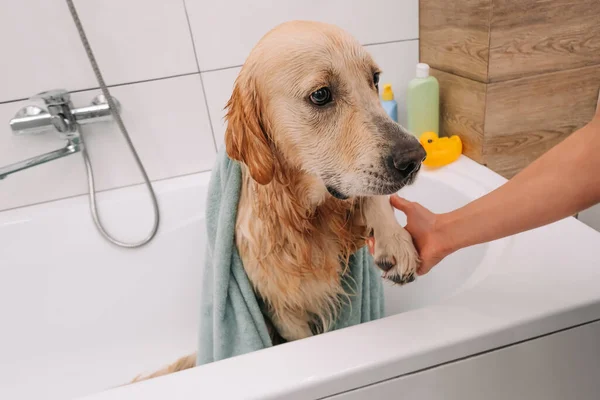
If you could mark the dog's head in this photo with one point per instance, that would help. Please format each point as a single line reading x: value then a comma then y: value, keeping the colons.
x: 308, y: 93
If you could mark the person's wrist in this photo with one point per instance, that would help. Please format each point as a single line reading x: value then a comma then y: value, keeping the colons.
x: 442, y: 236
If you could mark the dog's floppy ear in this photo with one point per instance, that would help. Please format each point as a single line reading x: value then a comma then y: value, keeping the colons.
x: 246, y: 139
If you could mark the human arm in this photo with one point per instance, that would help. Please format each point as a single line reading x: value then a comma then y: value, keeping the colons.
x: 562, y: 182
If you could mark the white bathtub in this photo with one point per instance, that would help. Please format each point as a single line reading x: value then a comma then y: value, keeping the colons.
x: 499, y: 320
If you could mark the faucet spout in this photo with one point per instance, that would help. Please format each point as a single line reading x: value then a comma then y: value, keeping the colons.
x: 73, y: 146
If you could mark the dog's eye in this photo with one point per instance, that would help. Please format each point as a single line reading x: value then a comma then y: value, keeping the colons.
x: 376, y: 80
x: 321, y: 97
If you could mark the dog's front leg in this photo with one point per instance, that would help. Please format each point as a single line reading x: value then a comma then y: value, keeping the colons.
x: 395, y: 252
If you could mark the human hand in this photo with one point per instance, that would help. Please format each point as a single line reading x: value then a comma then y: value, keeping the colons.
x: 422, y: 226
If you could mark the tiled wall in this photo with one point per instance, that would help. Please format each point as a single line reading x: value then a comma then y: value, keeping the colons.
x: 171, y: 64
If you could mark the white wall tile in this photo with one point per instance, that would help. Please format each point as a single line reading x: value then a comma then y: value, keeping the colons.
x: 397, y: 60
x: 168, y: 124
x: 218, y: 86
x: 41, y: 49
x: 138, y: 39
x: 225, y: 31
x: 132, y: 40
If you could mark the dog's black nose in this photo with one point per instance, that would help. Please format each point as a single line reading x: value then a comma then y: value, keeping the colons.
x: 406, y: 167
x: 409, y: 158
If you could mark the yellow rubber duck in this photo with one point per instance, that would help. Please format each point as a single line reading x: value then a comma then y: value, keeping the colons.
x: 440, y: 151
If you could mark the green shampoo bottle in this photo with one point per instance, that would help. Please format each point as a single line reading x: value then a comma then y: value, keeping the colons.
x: 423, y: 103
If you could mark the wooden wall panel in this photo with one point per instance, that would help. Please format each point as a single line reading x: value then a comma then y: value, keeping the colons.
x: 530, y: 37
x: 526, y: 117
x: 508, y: 155
x: 516, y: 76
x: 462, y: 111
x: 454, y: 36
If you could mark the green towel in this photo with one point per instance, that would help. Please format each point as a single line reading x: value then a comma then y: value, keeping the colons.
x: 231, y: 322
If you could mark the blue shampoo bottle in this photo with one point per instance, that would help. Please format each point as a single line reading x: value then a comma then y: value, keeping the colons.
x: 389, y: 104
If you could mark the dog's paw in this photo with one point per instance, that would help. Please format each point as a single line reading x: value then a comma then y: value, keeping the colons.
x: 396, y: 255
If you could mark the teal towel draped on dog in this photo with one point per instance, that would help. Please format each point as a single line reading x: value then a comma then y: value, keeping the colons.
x: 231, y: 321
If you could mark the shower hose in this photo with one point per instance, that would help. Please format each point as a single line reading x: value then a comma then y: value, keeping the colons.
x: 121, y: 125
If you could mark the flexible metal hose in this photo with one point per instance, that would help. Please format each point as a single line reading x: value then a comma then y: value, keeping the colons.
x: 121, y: 125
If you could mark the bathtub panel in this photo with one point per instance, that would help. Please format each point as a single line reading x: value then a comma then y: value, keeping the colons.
x: 168, y: 124
x: 225, y: 32
x: 565, y: 365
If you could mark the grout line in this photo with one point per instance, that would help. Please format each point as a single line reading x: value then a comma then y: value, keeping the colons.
x: 419, y: 13
x: 11, y: 101
x: 491, y: 16
x: 212, y: 129
x: 191, y: 73
x: 221, y: 68
x: 482, y: 147
x: 367, y: 44
x: 187, y: 18
x: 136, y: 82
x: 105, y: 190
x: 462, y: 358
x: 391, y: 42
x: 460, y: 75
x: 114, y: 85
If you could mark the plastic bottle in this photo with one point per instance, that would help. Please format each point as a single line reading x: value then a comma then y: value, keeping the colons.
x: 389, y: 104
x: 423, y: 103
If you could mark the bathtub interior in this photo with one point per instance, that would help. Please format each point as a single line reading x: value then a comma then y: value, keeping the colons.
x: 82, y: 316
x: 454, y: 271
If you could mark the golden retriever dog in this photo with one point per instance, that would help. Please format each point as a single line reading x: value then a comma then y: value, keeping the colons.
x: 319, y: 157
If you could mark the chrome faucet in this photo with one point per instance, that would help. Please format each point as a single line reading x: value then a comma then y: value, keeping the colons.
x: 60, y: 116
